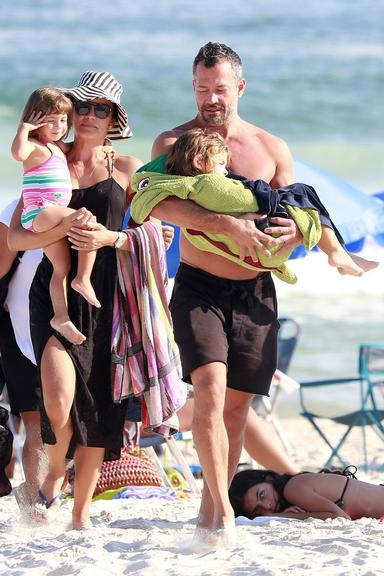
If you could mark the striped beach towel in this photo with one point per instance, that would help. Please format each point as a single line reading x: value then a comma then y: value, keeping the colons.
x: 145, y: 357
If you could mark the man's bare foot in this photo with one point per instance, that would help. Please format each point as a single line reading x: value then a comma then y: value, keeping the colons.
x: 342, y: 260
x: 224, y: 537
x: 86, y: 290
x: 67, y: 329
x: 364, y: 264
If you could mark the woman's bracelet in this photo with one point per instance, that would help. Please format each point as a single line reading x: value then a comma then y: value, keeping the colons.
x: 121, y: 237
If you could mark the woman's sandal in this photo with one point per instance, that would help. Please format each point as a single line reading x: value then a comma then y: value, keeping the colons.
x: 42, y: 507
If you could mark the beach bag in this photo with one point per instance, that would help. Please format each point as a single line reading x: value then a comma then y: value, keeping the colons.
x: 134, y: 468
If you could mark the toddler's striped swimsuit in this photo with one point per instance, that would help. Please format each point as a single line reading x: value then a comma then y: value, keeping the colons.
x: 45, y: 185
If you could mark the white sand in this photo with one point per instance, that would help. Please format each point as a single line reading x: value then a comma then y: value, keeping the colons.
x: 150, y: 537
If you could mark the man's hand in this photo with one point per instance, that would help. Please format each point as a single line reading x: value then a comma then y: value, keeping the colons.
x: 248, y: 238
x: 289, y: 234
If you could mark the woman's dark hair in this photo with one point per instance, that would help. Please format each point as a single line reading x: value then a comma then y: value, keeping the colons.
x: 244, y: 480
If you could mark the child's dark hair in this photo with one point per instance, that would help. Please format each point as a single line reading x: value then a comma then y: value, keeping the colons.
x: 47, y: 100
x: 193, y: 144
x: 244, y: 480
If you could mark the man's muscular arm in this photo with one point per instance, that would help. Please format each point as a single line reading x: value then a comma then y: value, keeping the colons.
x: 243, y: 231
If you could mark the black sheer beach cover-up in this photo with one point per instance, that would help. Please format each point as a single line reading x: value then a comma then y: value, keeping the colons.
x: 96, y: 420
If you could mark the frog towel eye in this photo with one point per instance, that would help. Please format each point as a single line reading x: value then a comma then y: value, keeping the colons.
x: 143, y: 184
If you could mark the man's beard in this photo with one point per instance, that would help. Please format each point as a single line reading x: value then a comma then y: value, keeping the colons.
x: 216, y: 119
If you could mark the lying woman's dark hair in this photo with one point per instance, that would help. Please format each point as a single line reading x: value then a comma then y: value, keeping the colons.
x: 244, y: 480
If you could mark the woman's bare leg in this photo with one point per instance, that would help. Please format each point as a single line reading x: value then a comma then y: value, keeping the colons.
x: 262, y: 446
x: 58, y: 384
x: 88, y: 463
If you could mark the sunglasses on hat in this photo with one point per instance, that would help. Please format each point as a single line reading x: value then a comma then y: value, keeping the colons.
x: 101, y: 111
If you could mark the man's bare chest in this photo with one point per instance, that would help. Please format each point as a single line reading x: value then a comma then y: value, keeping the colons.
x: 252, y: 162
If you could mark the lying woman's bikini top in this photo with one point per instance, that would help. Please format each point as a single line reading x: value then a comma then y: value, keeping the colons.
x: 340, y: 501
x: 349, y: 472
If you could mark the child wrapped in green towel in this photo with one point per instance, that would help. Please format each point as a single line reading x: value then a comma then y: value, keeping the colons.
x: 196, y: 170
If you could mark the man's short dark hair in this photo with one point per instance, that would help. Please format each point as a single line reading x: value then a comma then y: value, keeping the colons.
x: 212, y: 53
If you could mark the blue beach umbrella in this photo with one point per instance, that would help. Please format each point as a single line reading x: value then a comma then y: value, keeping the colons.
x: 356, y: 214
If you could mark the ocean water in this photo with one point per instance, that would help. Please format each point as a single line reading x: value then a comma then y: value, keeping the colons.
x: 314, y: 75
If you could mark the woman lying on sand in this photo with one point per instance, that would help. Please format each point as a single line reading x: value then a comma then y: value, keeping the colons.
x: 306, y: 495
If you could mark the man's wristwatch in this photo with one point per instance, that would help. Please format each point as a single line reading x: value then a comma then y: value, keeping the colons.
x: 120, y: 240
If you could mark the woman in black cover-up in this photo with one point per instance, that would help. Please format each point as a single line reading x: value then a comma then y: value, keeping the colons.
x: 79, y: 417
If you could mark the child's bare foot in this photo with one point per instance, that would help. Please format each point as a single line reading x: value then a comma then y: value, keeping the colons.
x: 341, y: 260
x: 67, y: 329
x: 364, y: 264
x: 86, y: 290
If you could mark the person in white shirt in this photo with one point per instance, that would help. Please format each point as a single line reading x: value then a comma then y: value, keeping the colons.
x: 18, y: 359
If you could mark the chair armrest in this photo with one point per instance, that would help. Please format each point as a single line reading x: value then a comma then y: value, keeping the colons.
x: 328, y: 382
x: 310, y: 384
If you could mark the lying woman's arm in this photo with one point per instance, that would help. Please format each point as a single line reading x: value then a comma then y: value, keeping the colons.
x: 21, y: 239
x: 308, y: 499
x: 300, y: 514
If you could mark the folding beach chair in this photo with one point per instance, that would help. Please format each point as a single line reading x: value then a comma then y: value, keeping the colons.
x: 322, y: 400
x: 266, y: 406
x: 149, y: 442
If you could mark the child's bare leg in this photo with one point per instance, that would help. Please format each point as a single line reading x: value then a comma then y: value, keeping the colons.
x: 337, y: 255
x: 58, y: 254
x: 50, y: 217
x: 82, y: 281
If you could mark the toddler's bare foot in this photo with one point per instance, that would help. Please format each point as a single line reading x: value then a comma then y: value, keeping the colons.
x: 364, y: 264
x: 86, y: 290
x: 67, y: 329
x: 341, y: 260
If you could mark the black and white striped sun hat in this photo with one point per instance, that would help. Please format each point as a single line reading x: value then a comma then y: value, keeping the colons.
x: 103, y: 85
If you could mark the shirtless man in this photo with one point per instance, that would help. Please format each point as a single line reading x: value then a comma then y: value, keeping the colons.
x: 225, y: 316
